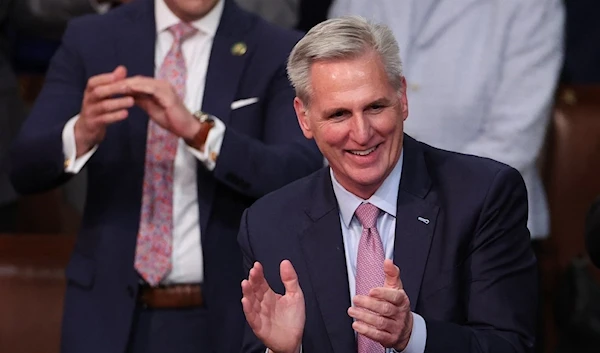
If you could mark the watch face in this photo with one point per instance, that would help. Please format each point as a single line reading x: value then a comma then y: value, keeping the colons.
x: 202, y: 116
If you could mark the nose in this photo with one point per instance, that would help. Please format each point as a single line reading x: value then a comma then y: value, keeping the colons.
x: 361, y: 129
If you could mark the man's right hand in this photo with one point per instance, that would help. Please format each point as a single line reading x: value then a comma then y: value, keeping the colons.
x: 277, y: 320
x: 101, y: 108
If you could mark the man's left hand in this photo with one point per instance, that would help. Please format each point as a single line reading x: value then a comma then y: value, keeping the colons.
x: 163, y: 105
x: 384, y: 315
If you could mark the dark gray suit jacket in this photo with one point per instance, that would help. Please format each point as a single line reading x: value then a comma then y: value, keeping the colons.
x: 469, y: 272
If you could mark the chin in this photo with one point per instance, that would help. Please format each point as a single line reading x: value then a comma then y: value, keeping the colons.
x: 367, y: 179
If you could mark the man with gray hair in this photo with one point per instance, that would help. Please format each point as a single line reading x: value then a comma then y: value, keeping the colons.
x: 397, y: 246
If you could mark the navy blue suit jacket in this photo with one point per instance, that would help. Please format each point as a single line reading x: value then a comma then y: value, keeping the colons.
x: 470, y: 272
x: 263, y: 149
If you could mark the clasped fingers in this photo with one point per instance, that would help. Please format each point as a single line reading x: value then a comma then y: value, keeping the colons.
x: 384, y: 316
x: 110, y: 105
x: 161, y: 91
x: 396, y: 297
x: 105, y: 91
x: 380, y: 307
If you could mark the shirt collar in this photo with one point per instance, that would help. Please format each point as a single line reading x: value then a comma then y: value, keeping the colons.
x: 208, y: 24
x: 385, y: 198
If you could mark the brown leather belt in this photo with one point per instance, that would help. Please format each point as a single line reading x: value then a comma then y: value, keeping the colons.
x: 172, y: 296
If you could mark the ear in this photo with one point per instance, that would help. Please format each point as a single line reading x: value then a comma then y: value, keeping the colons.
x: 303, y: 119
x: 403, y: 99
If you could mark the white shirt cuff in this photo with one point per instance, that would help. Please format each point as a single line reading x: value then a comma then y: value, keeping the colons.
x: 212, y: 147
x: 418, y: 336
x: 100, y: 8
x: 73, y: 164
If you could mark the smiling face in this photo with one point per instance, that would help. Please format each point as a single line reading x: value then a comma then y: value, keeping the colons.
x: 356, y: 118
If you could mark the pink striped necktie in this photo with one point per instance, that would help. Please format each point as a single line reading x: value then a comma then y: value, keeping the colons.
x: 154, y: 241
x: 369, y: 265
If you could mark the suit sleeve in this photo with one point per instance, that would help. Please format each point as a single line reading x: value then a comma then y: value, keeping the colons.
x: 519, y: 114
x: 592, y: 232
x: 500, y: 296
x: 37, y: 153
x: 255, y: 168
x: 250, y: 343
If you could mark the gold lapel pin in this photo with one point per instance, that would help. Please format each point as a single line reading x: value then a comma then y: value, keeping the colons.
x: 239, y: 49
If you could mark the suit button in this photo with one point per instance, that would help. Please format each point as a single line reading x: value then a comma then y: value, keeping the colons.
x: 130, y: 291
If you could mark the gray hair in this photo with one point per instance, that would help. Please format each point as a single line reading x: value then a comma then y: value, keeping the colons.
x: 343, y: 38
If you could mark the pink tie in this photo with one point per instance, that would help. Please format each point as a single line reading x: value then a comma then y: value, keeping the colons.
x: 153, y: 251
x: 369, y: 265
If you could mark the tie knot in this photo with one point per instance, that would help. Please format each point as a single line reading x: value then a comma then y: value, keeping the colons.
x: 367, y: 214
x: 181, y: 31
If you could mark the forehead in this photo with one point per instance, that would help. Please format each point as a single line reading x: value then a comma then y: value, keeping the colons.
x: 349, y: 80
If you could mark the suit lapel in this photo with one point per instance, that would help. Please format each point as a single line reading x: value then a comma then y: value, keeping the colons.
x: 225, y: 67
x: 323, y: 249
x: 222, y: 79
x: 135, y: 50
x: 415, y: 220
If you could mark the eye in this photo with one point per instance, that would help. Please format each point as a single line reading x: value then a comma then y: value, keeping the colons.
x: 376, y: 107
x: 338, y: 114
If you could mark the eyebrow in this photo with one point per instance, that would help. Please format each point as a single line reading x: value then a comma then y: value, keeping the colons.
x: 333, y: 111
x: 380, y: 101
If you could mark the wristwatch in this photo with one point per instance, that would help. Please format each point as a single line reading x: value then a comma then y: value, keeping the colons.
x: 206, y: 123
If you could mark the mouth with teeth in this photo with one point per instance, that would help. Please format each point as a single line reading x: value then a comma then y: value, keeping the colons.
x: 363, y: 153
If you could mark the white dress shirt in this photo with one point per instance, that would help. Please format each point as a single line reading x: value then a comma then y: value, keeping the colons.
x: 481, y: 76
x: 385, y: 198
x: 187, y: 259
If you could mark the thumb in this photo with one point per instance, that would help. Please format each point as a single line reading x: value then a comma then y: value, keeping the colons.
x: 120, y: 73
x: 392, y: 275
x: 289, y: 278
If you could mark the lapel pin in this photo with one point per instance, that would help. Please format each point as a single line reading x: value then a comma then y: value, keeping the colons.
x: 239, y: 49
x: 424, y: 220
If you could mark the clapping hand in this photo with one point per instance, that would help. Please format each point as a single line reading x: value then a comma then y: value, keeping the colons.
x: 277, y: 320
x: 384, y: 315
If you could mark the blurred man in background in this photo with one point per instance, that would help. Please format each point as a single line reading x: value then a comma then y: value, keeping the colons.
x: 181, y: 111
